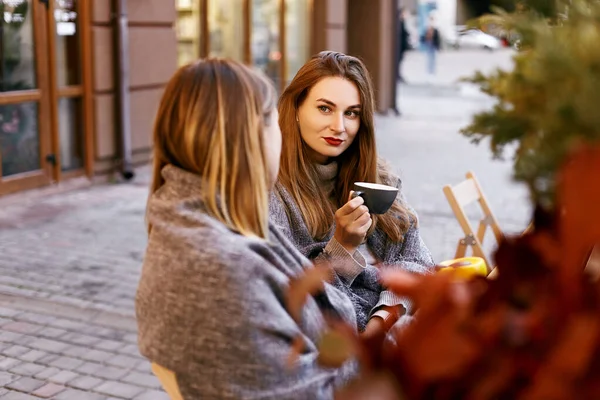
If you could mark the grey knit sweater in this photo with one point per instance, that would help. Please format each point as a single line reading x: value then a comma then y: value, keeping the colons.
x: 211, y: 305
x: 355, y: 277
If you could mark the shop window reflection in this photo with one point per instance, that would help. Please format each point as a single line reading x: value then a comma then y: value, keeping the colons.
x: 266, y: 54
x: 72, y: 139
x: 226, y: 27
x: 297, y: 25
x: 188, y: 31
x: 19, y: 138
x: 17, y: 62
x: 67, y: 42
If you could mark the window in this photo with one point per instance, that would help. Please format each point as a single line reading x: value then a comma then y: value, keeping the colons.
x: 226, y: 29
x: 266, y: 53
x: 297, y: 28
x: 188, y: 31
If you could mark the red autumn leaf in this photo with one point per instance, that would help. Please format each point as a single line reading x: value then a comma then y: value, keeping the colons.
x: 437, y: 344
x: 578, y: 196
x: 376, y: 386
x: 569, y: 360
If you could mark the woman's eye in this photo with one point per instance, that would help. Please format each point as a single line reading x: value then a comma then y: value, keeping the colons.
x: 324, y: 109
x: 352, y: 114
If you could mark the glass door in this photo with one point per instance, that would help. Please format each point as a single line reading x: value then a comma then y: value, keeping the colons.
x: 24, y: 97
x: 265, y: 39
x: 188, y: 28
x: 297, y: 36
x: 68, y: 144
x: 226, y: 26
x: 44, y: 106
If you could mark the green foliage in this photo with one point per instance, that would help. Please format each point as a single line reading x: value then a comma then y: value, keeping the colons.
x: 548, y: 8
x: 548, y: 103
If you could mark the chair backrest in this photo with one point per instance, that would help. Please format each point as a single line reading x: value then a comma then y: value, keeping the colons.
x: 461, y: 195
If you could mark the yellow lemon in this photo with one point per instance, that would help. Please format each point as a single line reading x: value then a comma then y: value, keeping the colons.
x: 464, y: 268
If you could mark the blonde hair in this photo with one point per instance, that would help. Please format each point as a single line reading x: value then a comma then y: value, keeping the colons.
x: 359, y: 163
x: 210, y: 122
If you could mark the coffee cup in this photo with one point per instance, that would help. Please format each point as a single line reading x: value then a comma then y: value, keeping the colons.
x: 378, y: 198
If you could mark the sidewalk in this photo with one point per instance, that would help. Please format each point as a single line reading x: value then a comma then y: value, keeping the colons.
x: 69, y: 267
x: 452, y: 65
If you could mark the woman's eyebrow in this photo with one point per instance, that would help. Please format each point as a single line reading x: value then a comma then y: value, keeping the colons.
x: 328, y: 102
x: 332, y: 104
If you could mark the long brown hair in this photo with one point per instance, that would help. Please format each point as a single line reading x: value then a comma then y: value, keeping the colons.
x: 210, y: 122
x: 359, y: 163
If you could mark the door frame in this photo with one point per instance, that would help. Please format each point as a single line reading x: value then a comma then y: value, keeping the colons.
x: 46, y: 95
x: 82, y: 91
x: 42, y: 176
x: 204, y: 29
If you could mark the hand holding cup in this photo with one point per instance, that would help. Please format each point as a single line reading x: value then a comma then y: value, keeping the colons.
x: 352, y: 221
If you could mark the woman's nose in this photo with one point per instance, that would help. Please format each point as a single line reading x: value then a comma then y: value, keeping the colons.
x: 337, y: 124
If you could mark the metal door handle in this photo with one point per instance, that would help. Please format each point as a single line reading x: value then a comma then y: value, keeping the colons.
x: 51, y: 158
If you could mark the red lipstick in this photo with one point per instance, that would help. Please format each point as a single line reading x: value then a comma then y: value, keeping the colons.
x: 333, y: 141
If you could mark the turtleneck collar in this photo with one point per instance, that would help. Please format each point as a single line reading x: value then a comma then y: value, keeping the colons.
x: 327, y: 174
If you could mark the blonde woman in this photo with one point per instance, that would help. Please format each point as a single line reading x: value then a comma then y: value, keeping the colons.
x: 326, y: 119
x: 211, y: 300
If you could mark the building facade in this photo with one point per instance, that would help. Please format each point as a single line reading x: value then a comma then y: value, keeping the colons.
x: 80, y: 80
x: 272, y: 35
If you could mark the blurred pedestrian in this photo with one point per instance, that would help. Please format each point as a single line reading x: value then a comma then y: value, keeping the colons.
x: 403, y: 42
x: 432, y: 43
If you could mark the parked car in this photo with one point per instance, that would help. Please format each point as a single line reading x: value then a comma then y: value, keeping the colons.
x: 473, y: 38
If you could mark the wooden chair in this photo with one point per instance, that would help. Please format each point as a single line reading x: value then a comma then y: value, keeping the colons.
x: 168, y: 381
x: 459, y: 196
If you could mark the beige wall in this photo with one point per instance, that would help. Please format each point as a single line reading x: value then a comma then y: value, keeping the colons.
x: 152, y: 58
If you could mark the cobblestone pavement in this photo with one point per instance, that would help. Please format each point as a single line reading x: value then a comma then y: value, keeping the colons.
x: 70, y: 262
x: 69, y: 267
